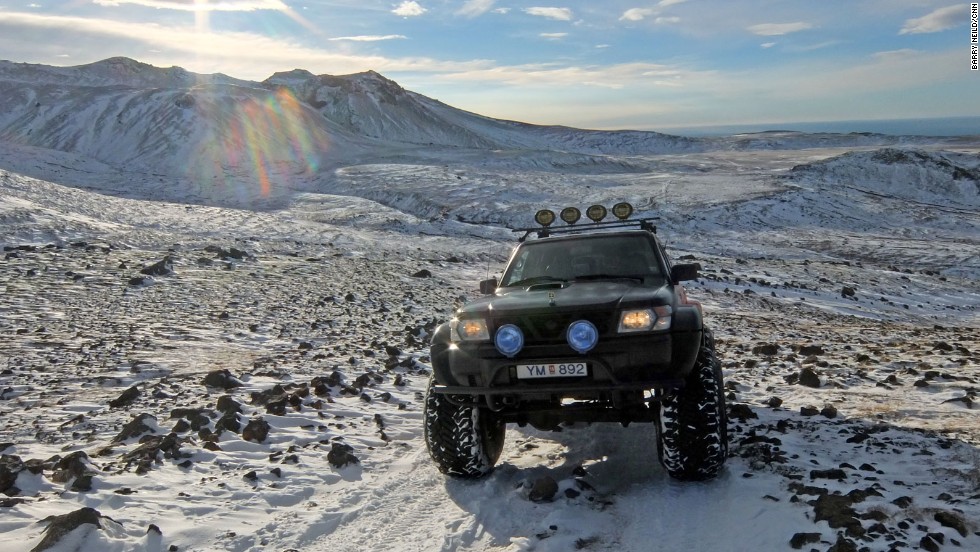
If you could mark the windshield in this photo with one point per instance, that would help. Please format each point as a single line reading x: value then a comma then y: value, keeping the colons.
x: 592, y: 258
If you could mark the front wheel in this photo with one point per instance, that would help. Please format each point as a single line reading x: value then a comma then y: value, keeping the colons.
x: 693, y: 423
x: 463, y: 440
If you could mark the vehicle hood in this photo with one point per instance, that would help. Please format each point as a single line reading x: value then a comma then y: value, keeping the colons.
x: 571, y: 296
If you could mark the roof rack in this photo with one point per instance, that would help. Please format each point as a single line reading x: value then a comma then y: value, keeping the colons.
x: 545, y: 231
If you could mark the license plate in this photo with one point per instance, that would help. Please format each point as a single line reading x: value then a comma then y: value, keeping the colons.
x: 555, y: 370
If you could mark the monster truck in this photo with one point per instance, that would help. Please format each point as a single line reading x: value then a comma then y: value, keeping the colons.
x: 588, y: 323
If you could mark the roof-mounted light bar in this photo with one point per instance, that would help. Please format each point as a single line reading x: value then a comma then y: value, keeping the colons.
x: 596, y: 213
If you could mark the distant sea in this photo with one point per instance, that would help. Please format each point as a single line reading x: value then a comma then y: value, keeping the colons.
x: 945, y: 126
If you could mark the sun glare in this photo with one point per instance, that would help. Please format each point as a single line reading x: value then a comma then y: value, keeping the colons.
x: 271, y: 137
x: 202, y: 18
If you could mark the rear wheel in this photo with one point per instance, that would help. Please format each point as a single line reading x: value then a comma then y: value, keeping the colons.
x: 465, y: 440
x: 693, y: 423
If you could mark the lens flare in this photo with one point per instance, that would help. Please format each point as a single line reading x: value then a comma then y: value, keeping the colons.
x: 263, y: 139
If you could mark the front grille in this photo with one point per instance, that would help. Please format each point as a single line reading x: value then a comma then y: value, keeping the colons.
x: 549, y: 328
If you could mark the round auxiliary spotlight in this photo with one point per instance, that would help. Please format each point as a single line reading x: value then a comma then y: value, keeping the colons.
x: 622, y: 211
x: 509, y: 340
x: 570, y: 215
x: 582, y: 335
x: 596, y: 213
x: 544, y: 217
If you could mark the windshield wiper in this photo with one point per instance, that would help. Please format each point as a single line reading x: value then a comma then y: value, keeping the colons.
x: 535, y: 280
x: 610, y: 277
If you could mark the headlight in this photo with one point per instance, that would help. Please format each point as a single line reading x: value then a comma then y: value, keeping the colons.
x: 642, y: 320
x: 582, y: 336
x: 472, y: 329
x: 509, y: 340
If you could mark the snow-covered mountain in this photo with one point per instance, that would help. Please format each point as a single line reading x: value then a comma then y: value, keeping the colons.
x: 129, y: 113
x: 171, y: 121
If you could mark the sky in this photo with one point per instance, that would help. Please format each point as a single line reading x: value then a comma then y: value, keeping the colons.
x: 615, y: 64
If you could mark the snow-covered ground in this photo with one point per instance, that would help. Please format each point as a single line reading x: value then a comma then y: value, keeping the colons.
x: 208, y: 407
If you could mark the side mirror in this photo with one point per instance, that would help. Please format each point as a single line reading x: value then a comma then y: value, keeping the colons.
x: 685, y: 272
x: 487, y: 287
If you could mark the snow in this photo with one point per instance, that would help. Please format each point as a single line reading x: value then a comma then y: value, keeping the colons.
x: 336, y: 225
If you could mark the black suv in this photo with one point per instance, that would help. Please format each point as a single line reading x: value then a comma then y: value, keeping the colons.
x: 588, y: 323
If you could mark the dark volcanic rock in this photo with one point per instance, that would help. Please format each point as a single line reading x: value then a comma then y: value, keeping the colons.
x: 829, y: 411
x: 73, y: 466
x: 197, y: 417
x: 10, y: 467
x: 543, y: 490
x: 256, y: 430
x: 126, y: 398
x: 809, y: 411
x: 341, y: 455
x: 765, y: 349
x: 843, y: 545
x: 222, y: 379
x: 161, y: 268
x: 953, y: 521
x: 227, y: 404
x: 742, y: 412
x: 136, y: 427
x: 151, y: 448
x: 801, y: 539
x: 810, y: 350
x: 809, y: 378
x: 230, y: 422
x: 836, y: 510
x: 929, y: 544
x: 59, y: 526
x: 835, y: 473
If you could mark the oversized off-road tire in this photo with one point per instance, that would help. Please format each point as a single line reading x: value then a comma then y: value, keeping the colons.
x: 464, y: 441
x: 693, y: 440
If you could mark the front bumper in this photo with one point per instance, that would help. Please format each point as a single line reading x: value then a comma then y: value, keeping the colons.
x: 624, y: 363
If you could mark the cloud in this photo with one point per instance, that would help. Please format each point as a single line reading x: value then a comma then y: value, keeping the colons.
x: 239, y: 54
x: 475, y: 8
x: 409, y: 8
x: 767, y: 44
x: 905, y: 53
x: 618, y: 76
x: 637, y: 14
x: 192, y: 5
x: 778, y: 29
x: 939, y: 20
x: 369, y: 38
x: 553, y: 36
x: 559, y: 14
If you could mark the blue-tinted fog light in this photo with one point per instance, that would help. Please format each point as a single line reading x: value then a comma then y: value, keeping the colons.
x: 509, y: 340
x: 582, y: 336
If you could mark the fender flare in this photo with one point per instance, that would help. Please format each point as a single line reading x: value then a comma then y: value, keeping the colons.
x: 439, y: 352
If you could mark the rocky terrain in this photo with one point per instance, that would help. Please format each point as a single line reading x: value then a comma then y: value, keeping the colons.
x: 144, y: 382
